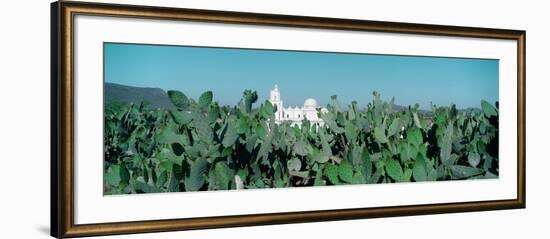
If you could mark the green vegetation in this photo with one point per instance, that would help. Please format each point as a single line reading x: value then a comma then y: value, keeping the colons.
x: 199, y: 145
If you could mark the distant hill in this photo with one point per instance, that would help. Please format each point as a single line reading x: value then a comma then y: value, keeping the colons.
x: 157, y: 98
x: 154, y: 97
x: 429, y: 113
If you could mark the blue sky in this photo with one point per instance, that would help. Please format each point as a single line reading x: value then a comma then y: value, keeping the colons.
x: 300, y: 75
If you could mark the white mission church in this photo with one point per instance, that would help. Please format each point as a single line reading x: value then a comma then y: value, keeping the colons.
x: 295, y: 114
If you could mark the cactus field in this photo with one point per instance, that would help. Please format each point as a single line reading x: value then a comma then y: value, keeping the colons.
x: 199, y: 145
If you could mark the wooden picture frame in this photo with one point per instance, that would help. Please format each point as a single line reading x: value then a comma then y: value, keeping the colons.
x: 63, y: 120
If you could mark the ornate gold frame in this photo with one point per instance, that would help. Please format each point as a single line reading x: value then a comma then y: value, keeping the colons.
x: 62, y: 118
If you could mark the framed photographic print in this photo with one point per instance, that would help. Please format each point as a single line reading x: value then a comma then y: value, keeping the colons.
x: 170, y: 119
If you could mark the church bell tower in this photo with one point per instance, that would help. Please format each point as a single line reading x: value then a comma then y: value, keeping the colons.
x: 275, y: 99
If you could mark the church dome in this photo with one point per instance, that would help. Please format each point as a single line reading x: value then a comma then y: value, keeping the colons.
x: 310, y: 103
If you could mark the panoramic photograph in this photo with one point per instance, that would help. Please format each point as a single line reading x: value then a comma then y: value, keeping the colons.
x: 190, y: 118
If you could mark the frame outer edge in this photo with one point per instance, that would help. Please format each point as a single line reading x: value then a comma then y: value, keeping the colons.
x: 522, y: 102
x: 66, y: 119
x: 63, y: 110
x: 54, y: 121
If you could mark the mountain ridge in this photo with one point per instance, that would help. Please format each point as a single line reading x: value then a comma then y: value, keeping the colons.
x: 153, y: 97
x: 158, y: 98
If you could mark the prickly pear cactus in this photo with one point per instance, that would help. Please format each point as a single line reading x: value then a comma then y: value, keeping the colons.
x: 200, y: 145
